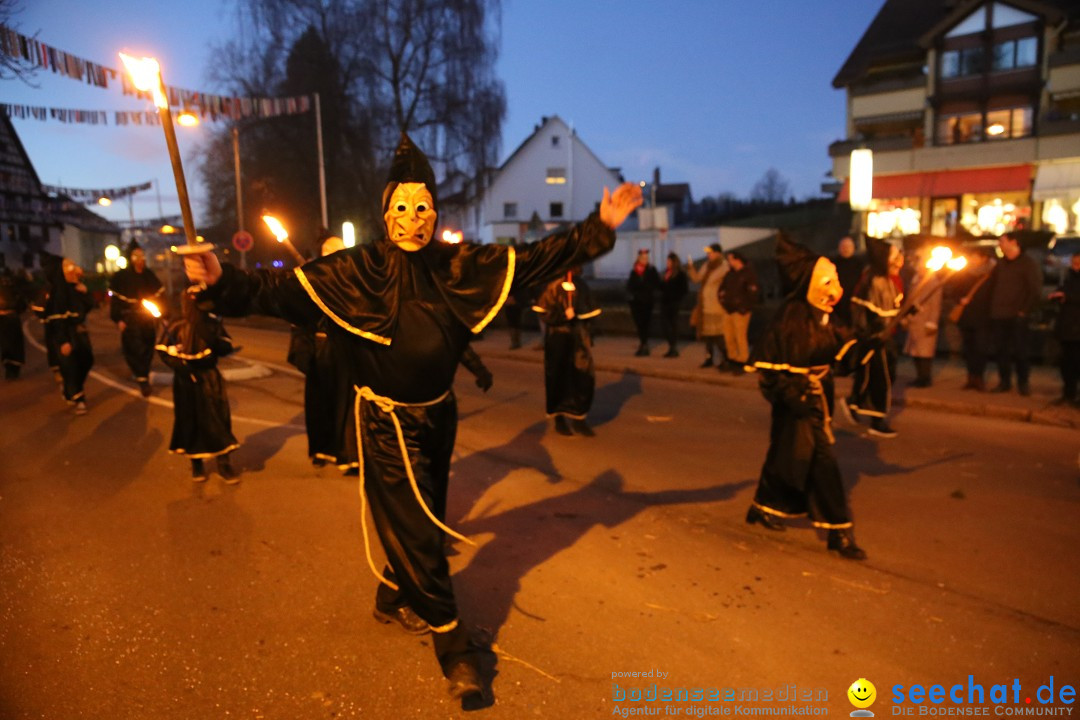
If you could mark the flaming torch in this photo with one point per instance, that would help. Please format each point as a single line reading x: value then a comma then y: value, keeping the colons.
x: 451, y: 237
x: 941, y: 257
x: 146, y: 76
x: 151, y: 308
x: 282, y: 236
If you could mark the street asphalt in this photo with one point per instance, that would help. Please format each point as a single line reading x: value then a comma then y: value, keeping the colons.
x: 127, y: 591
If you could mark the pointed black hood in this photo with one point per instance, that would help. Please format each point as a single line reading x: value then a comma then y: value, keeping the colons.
x: 132, y: 247
x: 410, y: 165
x: 877, y: 253
x: 796, y: 265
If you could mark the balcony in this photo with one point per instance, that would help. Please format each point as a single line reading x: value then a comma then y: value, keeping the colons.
x: 1049, y: 127
x: 1069, y: 56
x: 842, y: 148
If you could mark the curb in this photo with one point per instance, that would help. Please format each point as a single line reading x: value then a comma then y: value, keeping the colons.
x: 999, y: 412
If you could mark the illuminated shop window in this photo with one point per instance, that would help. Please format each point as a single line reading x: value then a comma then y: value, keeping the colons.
x: 893, y: 218
x: 944, y: 214
x: 993, y: 214
x: 1062, y: 216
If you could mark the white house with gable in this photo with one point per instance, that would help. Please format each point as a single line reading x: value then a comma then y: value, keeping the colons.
x: 552, y: 173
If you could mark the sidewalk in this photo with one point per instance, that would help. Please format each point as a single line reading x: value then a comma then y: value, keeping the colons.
x: 616, y: 354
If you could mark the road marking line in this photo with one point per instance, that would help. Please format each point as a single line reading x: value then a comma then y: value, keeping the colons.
x: 154, y: 400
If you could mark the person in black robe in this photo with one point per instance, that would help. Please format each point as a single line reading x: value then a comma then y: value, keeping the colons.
x: 328, y: 391
x: 794, y: 359
x: 50, y: 269
x: 128, y: 288
x: 202, y: 423
x: 849, y: 267
x: 12, y: 305
x: 566, y: 307
x: 65, y: 313
x: 404, y: 308
x: 876, y: 308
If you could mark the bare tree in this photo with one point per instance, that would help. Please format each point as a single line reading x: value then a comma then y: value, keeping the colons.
x: 771, y: 188
x: 10, y: 67
x: 380, y: 67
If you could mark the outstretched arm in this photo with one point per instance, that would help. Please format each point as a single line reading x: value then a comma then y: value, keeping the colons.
x: 237, y: 292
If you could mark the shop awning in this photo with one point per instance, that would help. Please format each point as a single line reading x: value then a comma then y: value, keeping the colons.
x: 945, y: 183
x: 1060, y: 180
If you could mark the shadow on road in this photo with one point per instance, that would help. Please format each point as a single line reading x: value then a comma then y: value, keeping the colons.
x: 125, y: 434
x: 527, y: 536
x: 611, y: 398
x: 256, y: 449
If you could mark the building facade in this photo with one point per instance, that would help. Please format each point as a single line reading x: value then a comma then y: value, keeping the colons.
x: 552, y: 174
x: 972, y: 111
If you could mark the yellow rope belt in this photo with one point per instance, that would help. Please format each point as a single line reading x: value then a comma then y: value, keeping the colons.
x: 389, y: 407
x: 814, y: 374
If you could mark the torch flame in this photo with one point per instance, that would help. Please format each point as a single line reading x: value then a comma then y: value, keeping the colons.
x: 146, y: 76
x: 151, y: 308
x: 939, y: 257
x: 568, y: 287
x: 449, y: 236
x: 957, y: 263
x: 276, y: 227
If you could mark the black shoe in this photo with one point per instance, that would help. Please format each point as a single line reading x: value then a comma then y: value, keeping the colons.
x: 707, y: 363
x: 738, y: 369
x: 582, y: 428
x: 672, y: 353
x: 352, y: 472
x: 1024, y: 389
x: 1002, y: 388
x: 642, y: 351
x: 198, y: 471
x: 318, y: 461
x: 225, y: 467
x: 144, y: 388
x: 562, y: 426
x: 843, y: 542
x: 764, y: 519
x: 404, y: 616
x: 464, y: 680
x: 880, y: 428
x: 11, y: 372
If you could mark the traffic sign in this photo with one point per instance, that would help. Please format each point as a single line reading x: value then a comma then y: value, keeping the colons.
x: 242, y: 240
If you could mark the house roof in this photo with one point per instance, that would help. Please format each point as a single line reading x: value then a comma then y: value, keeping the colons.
x: 543, y: 123
x: 672, y: 192
x: 903, y: 30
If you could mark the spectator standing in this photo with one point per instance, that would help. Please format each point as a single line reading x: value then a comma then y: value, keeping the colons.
x: 972, y: 316
x: 708, y: 315
x: 922, y: 323
x: 641, y: 286
x: 740, y: 293
x: 1016, y: 287
x: 673, y: 288
x: 849, y: 268
x: 1068, y: 331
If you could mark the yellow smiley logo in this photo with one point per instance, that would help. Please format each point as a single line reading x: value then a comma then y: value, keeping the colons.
x: 862, y: 693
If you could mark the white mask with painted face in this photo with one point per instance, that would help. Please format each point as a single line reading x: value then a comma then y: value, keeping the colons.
x: 410, y: 216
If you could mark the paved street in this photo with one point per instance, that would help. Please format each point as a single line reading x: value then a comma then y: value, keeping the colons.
x: 127, y: 591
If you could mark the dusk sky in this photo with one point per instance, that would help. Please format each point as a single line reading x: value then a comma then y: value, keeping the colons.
x: 714, y: 92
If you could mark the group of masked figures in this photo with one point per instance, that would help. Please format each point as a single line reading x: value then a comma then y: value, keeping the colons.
x: 380, y: 331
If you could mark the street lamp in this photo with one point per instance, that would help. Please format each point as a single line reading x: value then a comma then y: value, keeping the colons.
x: 860, y: 188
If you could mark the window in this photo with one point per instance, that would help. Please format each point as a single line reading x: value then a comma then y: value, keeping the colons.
x: 1008, y: 123
x: 962, y: 63
x: 509, y: 210
x: 554, y: 141
x: 956, y: 129
x: 1014, y: 54
x: 556, y: 176
x: 555, y: 210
